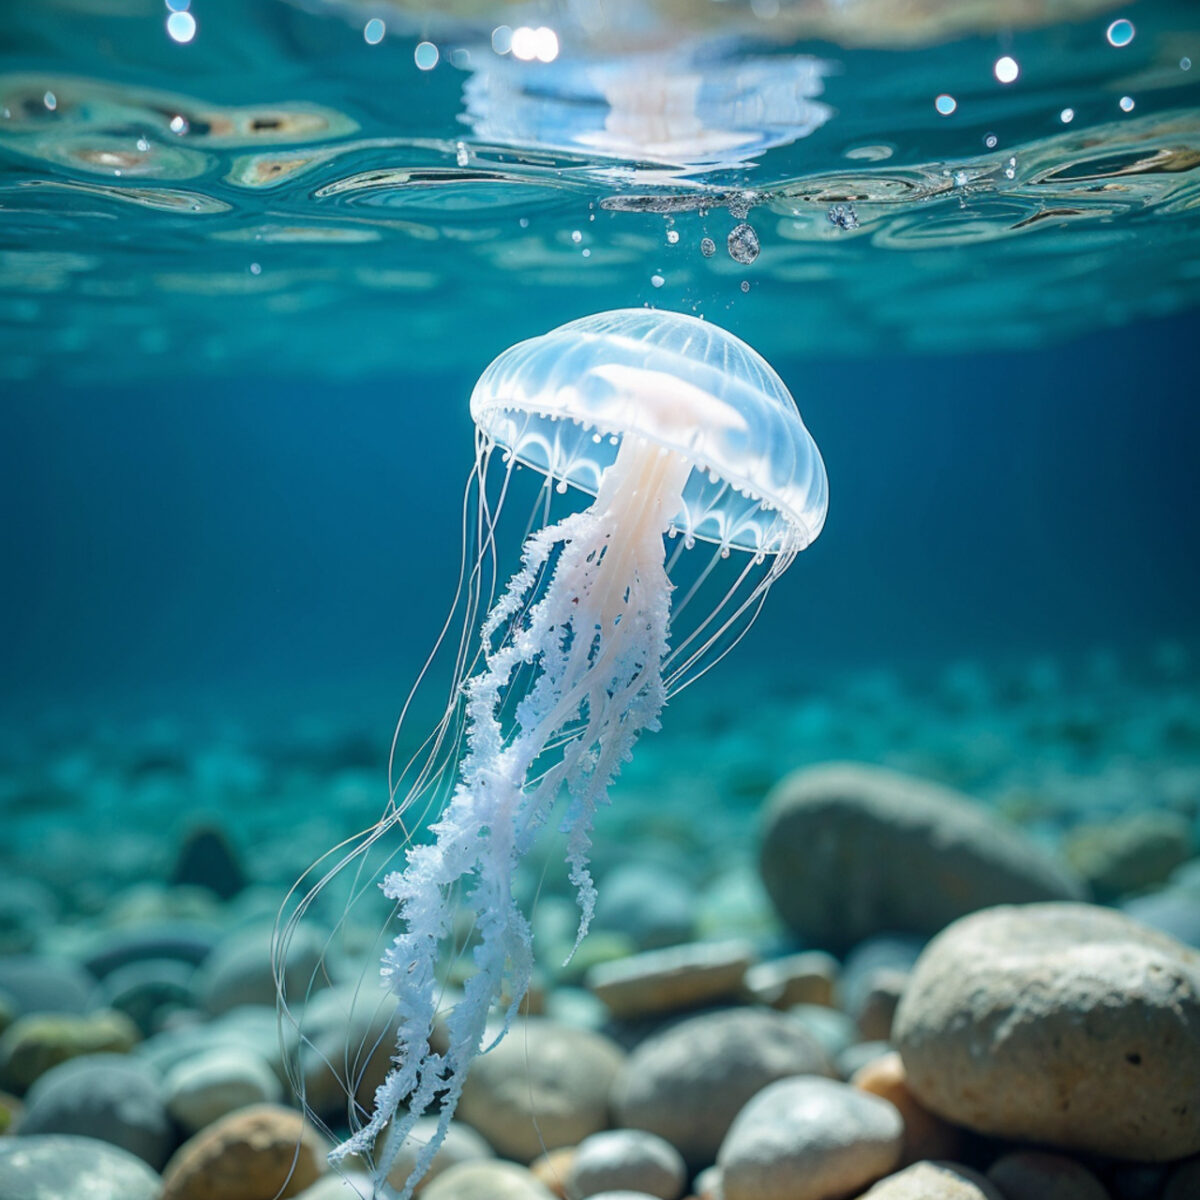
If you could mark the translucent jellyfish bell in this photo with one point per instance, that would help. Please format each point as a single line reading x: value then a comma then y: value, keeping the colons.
x: 756, y: 480
x: 677, y: 431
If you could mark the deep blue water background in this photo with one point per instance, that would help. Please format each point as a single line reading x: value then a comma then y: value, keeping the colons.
x: 278, y: 540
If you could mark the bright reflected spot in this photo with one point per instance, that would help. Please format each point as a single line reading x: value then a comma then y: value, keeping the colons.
x: 182, y: 27
x: 945, y: 104
x: 540, y: 43
x: 1120, y: 33
x: 426, y: 56
x: 179, y: 125
x: 373, y: 31
x: 1006, y: 69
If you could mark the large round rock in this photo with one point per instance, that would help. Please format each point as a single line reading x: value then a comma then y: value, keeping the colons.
x: 687, y: 1082
x: 849, y: 851
x: 809, y: 1139
x: 1063, y: 1024
x: 545, y: 1085
x: 62, y: 1167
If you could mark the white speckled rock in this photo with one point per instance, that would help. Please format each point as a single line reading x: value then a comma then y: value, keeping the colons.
x: 809, y: 1139
x: 672, y: 980
x: 934, y: 1181
x: 61, y: 1167
x: 1036, y: 1175
x: 545, y: 1085
x: 626, y: 1159
x: 113, y: 1097
x: 1063, y: 1024
x: 490, y: 1180
x: 202, y: 1089
x: 687, y: 1082
x: 461, y: 1144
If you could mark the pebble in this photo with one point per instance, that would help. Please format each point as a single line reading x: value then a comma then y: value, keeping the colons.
x: 347, y: 1032
x: 208, y: 859
x: 1130, y: 854
x: 806, y: 978
x: 27, y: 910
x: 553, y: 1167
x: 265, y: 1152
x: 1065, y: 1024
x: 45, y: 985
x: 112, y: 1097
x: 646, y: 903
x: 61, y: 1167
x: 934, y: 1181
x: 189, y: 942
x: 687, y: 1082
x: 925, y: 1135
x: 831, y: 1027
x: 239, y: 970
x: 545, y: 1085
x: 492, y: 1180
x: 874, y: 1015
x: 672, y: 980
x: 626, y: 1160
x: 207, y: 1086
x: 850, y: 850
x: 33, y: 1044
x: 1036, y: 1175
x: 809, y: 1139
x: 460, y: 1145
x: 855, y: 1057
x: 148, y: 992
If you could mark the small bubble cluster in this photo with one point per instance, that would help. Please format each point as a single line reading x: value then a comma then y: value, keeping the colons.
x: 843, y: 216
x: 743, y: 244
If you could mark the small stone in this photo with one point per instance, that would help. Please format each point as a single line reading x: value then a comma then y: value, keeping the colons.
x: 543, y: 1086
x: 239, y: 970
x: 831, y: 1027
x: 207, y: 858
x: 10, y: 1113
x: 148, y: 992
x: 460, y: 1145
x: 208, y: 1086
x: 1131, y: 854
x: 45, y: 985
x: 646, y: 903
x: 925, y: 1136
x: 108, y: 1096
x: 626, y: 1160
x: 849, y: 851
x: 708, y: 1184
x: 34, y: 1044
x: 186, y: 942
x: 809, y: 1139
x: 807, y: 978
x: 1064, y: 1024
x: 1035, y: 1175
x: 27, y: 909
x: 492, y: 1180
x: 672, y: 980
x: 875, y: 1014
x: 61, y: 1167
x: 688, y: 1082
x: 261, y: 1153
x: 933, y: 1181
x: 552, y: 1169
x: 854, y: 1058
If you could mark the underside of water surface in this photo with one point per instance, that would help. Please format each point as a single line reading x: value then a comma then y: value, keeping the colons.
x: 210, y: 190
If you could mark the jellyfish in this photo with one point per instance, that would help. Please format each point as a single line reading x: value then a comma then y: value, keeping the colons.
x: 679, y: 436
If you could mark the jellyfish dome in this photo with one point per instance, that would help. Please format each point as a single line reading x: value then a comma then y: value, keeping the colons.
x: 645, y: 434
x: 563, y: 402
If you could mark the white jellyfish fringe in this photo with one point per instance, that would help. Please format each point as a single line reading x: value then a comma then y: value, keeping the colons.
x: 548, y: 683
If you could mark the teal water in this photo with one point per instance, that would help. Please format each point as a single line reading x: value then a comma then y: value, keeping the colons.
x: 278, y: 195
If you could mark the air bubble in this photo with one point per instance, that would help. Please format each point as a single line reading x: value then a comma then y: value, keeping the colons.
x: 50, y: 100
x: 179, y: 125
x: 945, y: 104
x: 1067, y: 116
x: 255, y: 268
x: 1120, y: 32
x: 708, y: 247
x: 426, y: 56
x: 462, y: 155
x: 743, y: 244
x: 991, y: 141
x: 657, y: 281
x: 143, y: 146
x: 673, y: 237
x: 1126, y: 103
x: 576, y: 236
x: 745, y: 285
x: 373, y: 31
x: 181, y: 27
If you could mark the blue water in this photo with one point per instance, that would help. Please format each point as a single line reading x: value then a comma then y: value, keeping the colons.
x: 248, y: 280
